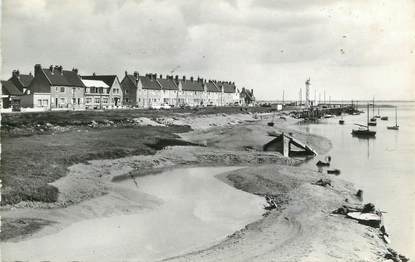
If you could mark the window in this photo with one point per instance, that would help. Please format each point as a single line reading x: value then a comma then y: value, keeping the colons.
x: 105, y: 100
x: 79, y: 101
x: 45, y: 102
x: 97, y: 100
x: 88, y: 100
x: 73, y: 100
x: 39, y: 102
x: 126, y: 91
x: 63, y: 100
x: 155, y: 100
x: 62, y: 89
x: 139, y: 100
x: 108, y: 90
x: 126, y: 100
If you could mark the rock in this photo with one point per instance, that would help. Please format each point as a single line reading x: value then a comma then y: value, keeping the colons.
x: 323, y: 182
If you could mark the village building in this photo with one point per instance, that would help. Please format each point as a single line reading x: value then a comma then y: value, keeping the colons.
x: 97, y: 94
x: 21, y: 81
x: 115, y: 92
x: 154, y: 91
x: 55, y: 88
x: 246, y: 97
x: 10, y: 95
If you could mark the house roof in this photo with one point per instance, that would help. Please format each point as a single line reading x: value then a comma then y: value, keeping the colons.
x: 189, y: 85
x: 94, y: 83
x: 228, y: 87
x: 245, y: 92
x: 66, y: 78
x: 167, y: 84
x: 25, y: 79
x: 107, y: 79
x: 8, y: 88
x: 147, y: 81
x: 211, y: 87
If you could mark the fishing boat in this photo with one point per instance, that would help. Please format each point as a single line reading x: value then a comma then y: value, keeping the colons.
x: 364, y: 131
x: 341, y: 121
x: 333, y: 171
x: 395, y: 127
x: 372, y: 123
x: 384, y: 118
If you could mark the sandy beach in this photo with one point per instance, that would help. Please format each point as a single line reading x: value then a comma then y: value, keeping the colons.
x: 301, y: 228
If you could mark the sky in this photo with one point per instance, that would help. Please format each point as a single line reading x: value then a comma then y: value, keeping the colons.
x: 353, y: 49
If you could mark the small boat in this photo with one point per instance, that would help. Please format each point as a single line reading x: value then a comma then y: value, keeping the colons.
x: 384, y: 118
x: 270, y: 123
x: 333, y: 171
x: 369, y: 219
x: 372, y: 123
x: 363, y: 130
x: 341, y: 122
x: 373, y: 119
x: 321, y: 163
x: 328, y: 116
x: 395, y: 127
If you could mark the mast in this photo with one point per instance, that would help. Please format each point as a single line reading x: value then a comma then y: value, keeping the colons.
x: 373, y: 109
x: 396, y: 115
x: 367, y: 124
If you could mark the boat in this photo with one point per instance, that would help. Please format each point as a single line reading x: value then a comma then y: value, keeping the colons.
x: 395, y: 127
x: 333, y: 171
x: 372, y: 123
x: 341, y: 121
x: 384, y: 118
x: 369, y: 219
x: 378, y: 115
x: 322, y: 163
x: 364, y: 131
x: 272, y: 122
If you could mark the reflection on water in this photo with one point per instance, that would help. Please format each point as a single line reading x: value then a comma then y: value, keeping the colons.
x: 382, y: 166
x: 197, y: 211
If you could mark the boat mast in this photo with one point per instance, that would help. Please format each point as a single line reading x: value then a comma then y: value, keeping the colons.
x: 373, y: 109
x: 396, y: 115
x: 367, y: 124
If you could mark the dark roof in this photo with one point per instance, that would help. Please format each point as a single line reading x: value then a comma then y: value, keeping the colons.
x: 67, y: 78
x: 246, y: 93
x: 8, y: 88
x: 167, y: 84
x: 148, y: 82
x: 188, y: 85
x: 227, y: 87
x: 107, y: 79
x: 25, y: 79
x: 211, y: 87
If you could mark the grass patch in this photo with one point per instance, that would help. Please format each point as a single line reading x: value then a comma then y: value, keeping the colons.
x: 29, y: 163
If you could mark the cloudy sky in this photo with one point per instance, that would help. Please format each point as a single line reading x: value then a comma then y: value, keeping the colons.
x: 352, y: 49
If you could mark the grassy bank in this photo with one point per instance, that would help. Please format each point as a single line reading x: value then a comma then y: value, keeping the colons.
x: 29, y: 163
x: 79, y: 118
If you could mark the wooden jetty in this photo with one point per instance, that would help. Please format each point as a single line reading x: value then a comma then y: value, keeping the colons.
x: 288, y: 145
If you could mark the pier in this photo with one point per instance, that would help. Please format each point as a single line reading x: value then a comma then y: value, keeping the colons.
x: 321, y: 110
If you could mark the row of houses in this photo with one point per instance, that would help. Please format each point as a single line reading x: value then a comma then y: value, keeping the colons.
x: 54, y: 88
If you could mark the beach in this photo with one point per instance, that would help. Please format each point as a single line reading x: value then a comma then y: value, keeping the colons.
x: 130, y: 193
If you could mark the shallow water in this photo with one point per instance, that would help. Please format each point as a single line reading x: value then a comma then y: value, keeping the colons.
x: 197, y: 211
x: 383, y: 167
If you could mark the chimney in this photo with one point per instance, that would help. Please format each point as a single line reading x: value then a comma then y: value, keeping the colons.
x: 184, y: 78
x: 16, y: 73
x: 155, y: 76
x: 38, y: 68
x: 75, y: 70
x: 58, y: 69
x: 177, y: 77
x: 51, y: 69
x: 126, y: 73
x: 136, y: 75
x: 252, y: 91
x: 191, y: 78
x: 161, y: 76
x: 93, y: 74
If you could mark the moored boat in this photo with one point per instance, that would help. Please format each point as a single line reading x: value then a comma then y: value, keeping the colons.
x: 395, y: 127
x: 364, y: 131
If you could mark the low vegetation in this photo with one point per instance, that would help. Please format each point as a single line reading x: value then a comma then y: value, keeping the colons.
x: 29, y: 163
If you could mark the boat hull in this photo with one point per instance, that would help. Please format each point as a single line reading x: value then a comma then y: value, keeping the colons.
x: 363, y: 133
